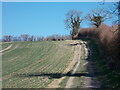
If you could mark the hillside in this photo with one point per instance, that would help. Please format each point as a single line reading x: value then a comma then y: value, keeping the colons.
x: 55, y: 64
x: 35, y: 64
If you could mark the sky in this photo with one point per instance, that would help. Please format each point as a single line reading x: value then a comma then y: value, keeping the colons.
x: 59, y: 0
x: 42, y: 18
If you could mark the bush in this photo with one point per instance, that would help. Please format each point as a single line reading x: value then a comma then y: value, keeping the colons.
x: 108, y: 38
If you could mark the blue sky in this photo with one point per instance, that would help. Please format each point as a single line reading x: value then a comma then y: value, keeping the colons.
x: 42, y: 18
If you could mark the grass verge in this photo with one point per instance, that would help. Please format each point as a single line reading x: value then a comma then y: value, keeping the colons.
x: 109, y: 78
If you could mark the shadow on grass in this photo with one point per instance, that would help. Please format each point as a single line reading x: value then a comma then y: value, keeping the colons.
x: 54, y: 75
x: 58, y: 75
x: 74, y: 44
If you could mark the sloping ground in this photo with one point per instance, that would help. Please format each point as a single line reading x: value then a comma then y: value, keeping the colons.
x: 84, y: 76
x: 7, y: 48
x: 5, y: 45
x: 35, y: 64
x: 76, y: 59
x: 48, y: 64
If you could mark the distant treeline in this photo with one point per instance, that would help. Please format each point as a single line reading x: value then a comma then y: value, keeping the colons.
x: 27, y: 37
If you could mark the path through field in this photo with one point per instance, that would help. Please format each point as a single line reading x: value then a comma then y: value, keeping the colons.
x: 35, y: 64
x: 77, y: 59
x: 47, y: 64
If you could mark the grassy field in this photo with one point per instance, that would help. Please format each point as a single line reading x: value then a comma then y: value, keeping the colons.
x: 34, y: 64
x: 38, y: 64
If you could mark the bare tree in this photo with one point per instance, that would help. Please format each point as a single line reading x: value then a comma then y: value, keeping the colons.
x: 25, y: 37
x: 98, y: 16
x: 73, y: 21
x: 15, y: 39
x: 32, y: 38
x: 40, y: 38
x: 7, y: 38
x: 117, y: 10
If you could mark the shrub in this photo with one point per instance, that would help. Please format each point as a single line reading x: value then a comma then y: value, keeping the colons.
x: 108, y: 38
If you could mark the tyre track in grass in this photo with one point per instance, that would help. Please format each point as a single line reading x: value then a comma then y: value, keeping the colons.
x: 10, y: 49
x: 42, y: 80
x: 56, y: 82
x: 23, y: 69
x: 77, y: 58
x: 6, y: 48
x: 90, y: 79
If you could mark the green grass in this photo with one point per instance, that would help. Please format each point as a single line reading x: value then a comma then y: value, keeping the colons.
x: 25, y: 61
x: 63, y: 83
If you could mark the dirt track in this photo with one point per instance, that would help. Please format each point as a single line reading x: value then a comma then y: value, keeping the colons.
x: 77, y: 53
x: 90, y: 81
x: 56, y: 82
x: 6, y: 48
